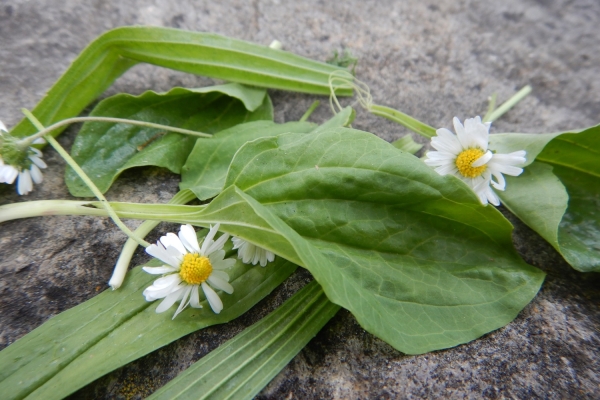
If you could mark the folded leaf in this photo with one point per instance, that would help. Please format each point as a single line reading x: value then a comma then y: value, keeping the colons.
x: 539, y: 199
x: 114, y: 328
x: 117, y: 50
x: 104, y: 150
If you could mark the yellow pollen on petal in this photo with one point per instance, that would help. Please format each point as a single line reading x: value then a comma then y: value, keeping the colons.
x: 195, y: 269
x: 464, y: 161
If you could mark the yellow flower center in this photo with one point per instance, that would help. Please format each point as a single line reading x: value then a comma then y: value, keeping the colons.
x: 195, y: 269
x: 464, y: 161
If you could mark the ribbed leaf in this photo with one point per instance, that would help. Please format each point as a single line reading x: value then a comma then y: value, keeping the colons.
x: 105, y: 150
x: 241, y: 367
x: 117, y: 50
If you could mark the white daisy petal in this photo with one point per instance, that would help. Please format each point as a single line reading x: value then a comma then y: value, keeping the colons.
x: 184, y: 300
x: 38, y: 161
x: 213, y: 298
x: 195, y: 298
x: 188, y: 237
x: 221, y: 275
x: 3, y: 127
x: 8, y: 174
x: 159, y: 270
x: 158, y: 251
x: 36, y: 174
x: 483, y: 159
x: 170, y: 300
x: 208, y: 240
x: 24, y: 184
x: 220, y: 284
x: 171, y: 239
x: 217, y: 244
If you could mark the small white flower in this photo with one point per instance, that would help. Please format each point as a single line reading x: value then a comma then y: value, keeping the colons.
x: 251, y: 253
x: 29, y: 170
x: 188, y: 267
x: 467, y: 157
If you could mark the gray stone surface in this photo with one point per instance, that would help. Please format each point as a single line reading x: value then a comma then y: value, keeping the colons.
x: 428, y: 58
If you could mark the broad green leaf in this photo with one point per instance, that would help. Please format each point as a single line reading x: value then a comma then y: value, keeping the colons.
x: 413, y: 255
x: 206, y: 167
x: 538, y: 198
x: 575, y: 156
x: 114, y: 328
x: 532, y: 143
x: 241, y: 367
x: 117, y: 50
x: 104, y: 150
x: 576, y: 160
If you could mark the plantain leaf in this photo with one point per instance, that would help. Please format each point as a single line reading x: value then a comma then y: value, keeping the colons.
x: 413, y: 255
x: 114, y: 328
x: 104, y: 150
x: 206, y: 167
x: 241, y: 367
x: 539, y: 198
x: 117, y: 50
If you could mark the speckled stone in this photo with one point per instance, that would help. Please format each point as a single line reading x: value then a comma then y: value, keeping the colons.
x: 431, y: 59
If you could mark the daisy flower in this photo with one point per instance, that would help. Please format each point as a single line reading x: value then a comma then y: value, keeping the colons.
x: 466, y: 156
x: 187, y: 268
x: 250, y: 253
x: 17, y: 163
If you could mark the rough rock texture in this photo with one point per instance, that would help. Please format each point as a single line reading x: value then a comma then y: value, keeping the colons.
x: 428, y: 58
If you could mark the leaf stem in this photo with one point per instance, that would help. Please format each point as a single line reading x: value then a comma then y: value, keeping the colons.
x: 63, y: 153
x: 403, y: 119
x: 43, y: 132
x: 507, y: 105
x: 310, y: 110
x: 116, y: 280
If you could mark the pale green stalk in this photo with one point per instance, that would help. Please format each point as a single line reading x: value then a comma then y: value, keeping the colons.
x: 116, y: 280
x: 63, y: 153
x: 491, y: 106
x: 507, y: 105
x: 310, y: 110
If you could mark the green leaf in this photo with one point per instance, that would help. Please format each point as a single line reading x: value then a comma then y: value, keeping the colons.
x: 413, y: 255
x: 407, y: 143
x: 104, y: 150
x: 341, y: 119
x: 206, y: 168
x: 117, y: 50
x: 241, y: 367
x: 114, y: 328
x: 540, y: 200
x: 532, y: 143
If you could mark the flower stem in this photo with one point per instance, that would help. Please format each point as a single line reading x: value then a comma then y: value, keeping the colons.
x: 491, y: 106
x: 310, y: 110
x: 507, y: 105
x: 116, y: 280
x: 63, y: 153
x: 43, y: 132
x: 41, y: 208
